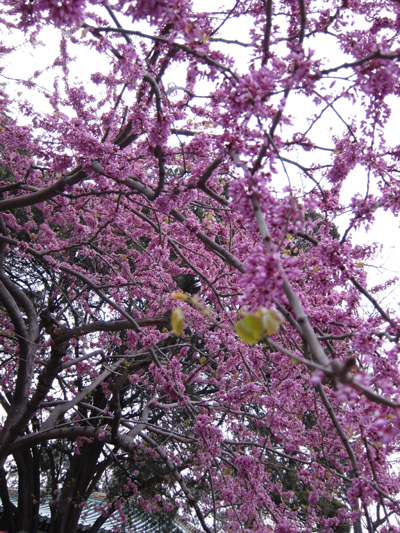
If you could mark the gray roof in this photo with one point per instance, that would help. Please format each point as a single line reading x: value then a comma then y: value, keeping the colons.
x: 138, y: 520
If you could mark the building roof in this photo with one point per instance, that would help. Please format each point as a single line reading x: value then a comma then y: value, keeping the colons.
x: 138, y: 520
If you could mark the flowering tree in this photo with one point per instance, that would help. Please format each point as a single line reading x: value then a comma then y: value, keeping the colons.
x: 184, y: 323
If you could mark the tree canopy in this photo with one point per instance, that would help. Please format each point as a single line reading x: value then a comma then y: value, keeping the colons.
x: 187, y: 323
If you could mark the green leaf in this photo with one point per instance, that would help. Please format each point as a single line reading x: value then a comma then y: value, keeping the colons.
x: 250, y: 329
x: 177, y: 321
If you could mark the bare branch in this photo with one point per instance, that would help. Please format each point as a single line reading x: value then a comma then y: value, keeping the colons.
x: 57, y: 188
x: 267, y: 30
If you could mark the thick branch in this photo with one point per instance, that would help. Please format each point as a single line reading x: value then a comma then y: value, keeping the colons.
x: 61, y: 409
x: 47, y: 193
x: 116, y: 325
x: 267, y: 30
x: 161, y: 170
x: 208, y: 172
x: 13, y: 300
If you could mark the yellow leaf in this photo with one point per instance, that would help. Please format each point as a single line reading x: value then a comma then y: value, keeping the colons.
x: 180, y: 296
x: 271, y: 320
x: 177, y: 321
x: 250, y: 329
